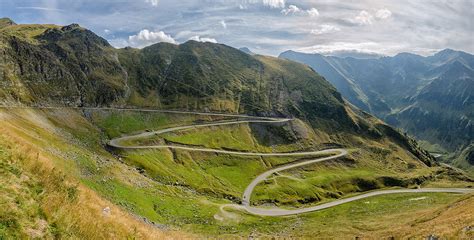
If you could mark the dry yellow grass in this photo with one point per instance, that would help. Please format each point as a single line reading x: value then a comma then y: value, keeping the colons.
x: 455, y: 221
x: 80, y: 216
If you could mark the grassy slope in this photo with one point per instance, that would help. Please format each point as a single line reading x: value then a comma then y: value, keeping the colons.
x: 27, y: 32
x: 464, y: 158
x: 236, y: 137
x: 41, y: 197
x: 117, y: 123
x: 227, y: 176
x: 236, y: 173
x: 190, y: 186
x: 399, y: 216
x: 310, y: 184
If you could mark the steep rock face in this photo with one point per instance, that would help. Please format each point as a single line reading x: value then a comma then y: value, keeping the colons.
x: 443, y: 111
x: 377, y: 85
x: 464, y: 158
x: 68, y: 65
x: 430, y: 97
x: 468, y: 154
x: 325, y: 67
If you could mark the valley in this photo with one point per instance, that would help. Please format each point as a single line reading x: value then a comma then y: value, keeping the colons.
x: 428, y: 97
x: 201, y: 140
x: 149, y: 182
x: 117, y: 143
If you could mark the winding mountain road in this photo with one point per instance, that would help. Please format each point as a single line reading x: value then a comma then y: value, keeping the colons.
x: 117, y: 143
x: 262, y: 211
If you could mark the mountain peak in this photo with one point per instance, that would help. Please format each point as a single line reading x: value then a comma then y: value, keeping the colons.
x: 449, y: 55
x: 70, y: 27
x: 5, y: 22
x: 446, y: 53
x: 406, y: 54
x: 246, y: 50
x: 291, y: 52
x: 287, y: 52
x: 72, y: 34
x: 447, y: 50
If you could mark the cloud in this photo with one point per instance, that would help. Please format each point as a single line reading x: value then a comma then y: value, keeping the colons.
x: 274, y: 3
x: 261, y: 26
x: 145, y: 38
x: 107, y: 31
x: 313, y: 12
x: 223, y: 24
x: 364, y: 18
x: 383, y: 13
x: 154, y: 3
x: 294, y: 10
x: 267, y: 3
x: 204, y: 39
x: 367, y: 18
x: 42, y: 9
x: 119, y: 42
x: 325, y: 28
x: 351, y: 47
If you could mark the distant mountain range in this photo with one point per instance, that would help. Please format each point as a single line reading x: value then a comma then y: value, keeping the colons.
x: 430, y: 97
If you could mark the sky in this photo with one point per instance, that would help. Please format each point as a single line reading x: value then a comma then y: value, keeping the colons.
x: 384, y: 27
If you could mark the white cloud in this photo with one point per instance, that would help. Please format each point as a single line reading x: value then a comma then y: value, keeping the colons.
x: 204, y: 39
x: 154, y: 3
x: 223, y: 24
x: 119, y: 42
x: 262, y: 27
x: 267, y: 3
x: 42, y: 9
x: 383, y: 13
x: 274, y: 3
x: 325, y: 28
x: 294, y: 10
x: 354, y: 47
x: 313, y: 12
x: 367, y: 18
x: 145, y: 38
x: 364, y: 18
x: 107, y: 31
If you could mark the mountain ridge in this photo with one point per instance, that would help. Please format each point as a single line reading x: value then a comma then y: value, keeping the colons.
x: 408, y: 88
